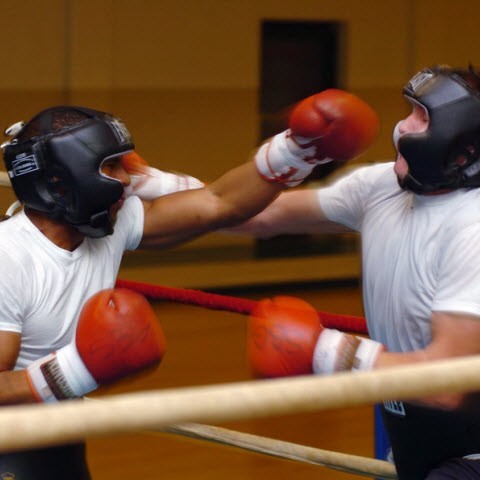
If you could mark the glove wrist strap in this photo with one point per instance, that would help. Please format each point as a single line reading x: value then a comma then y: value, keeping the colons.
x: 60, y: 376
x: 336, y: 351
x: 153, y: 183
x: 284, y: 160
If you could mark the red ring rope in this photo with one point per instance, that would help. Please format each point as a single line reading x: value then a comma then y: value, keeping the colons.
x: 215, y: 301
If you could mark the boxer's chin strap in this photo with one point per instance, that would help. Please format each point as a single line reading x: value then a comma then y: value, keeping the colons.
x: 13, y: 208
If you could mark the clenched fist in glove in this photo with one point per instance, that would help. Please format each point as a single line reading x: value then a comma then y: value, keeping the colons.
x: 331, y: 126
x: 285, y: 337
x: 118, y: 334
x: 149, y: 183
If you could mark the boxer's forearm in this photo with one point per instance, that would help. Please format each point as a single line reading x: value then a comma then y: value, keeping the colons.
x: 14, y: 388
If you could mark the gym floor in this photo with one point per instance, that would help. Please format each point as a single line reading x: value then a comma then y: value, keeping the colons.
x: 208, y: 347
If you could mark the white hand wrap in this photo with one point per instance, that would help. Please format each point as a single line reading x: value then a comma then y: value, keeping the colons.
x: 60, y: 376
x: 336, y: 351
x: 284, y: 160
x: 154, y: 183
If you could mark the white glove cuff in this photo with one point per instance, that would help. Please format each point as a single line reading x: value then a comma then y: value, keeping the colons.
x: 326, y: 351
x: 60, y: 376
x: 367, y: 353
x: 336, y: 351
x: 37, y: 381
x: 279, y: 160
x: 75, y: 373
x: 154, y: 183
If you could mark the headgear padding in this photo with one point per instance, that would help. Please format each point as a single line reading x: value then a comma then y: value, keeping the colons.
x: 447, y: 154
x: 54, y: 166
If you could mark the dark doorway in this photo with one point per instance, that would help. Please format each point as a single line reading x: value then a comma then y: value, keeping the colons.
x: 298, y: 59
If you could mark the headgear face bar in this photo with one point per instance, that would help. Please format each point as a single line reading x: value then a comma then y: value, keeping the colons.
x: 447, y: 154
x: 58, y: 172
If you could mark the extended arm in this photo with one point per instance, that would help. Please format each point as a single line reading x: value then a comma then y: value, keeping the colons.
x: 328, y: 128
x: 235, y: 197
x: 292, y: 212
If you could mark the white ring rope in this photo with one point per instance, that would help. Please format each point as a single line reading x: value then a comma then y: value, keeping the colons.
x: 4, y: 180
x: 53, y: 424
x: 267, y: 446
x: 338, y: 461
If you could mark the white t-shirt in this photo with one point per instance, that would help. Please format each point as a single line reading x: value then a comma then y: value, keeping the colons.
x: 43, y: 287
x: 420, y: 253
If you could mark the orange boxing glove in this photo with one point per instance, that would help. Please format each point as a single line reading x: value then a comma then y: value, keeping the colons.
x: 281, y: 337
x: 336, y: 124
x: 285, y: 337
x: 118, y: 334
x: 133, y: 163
x: 331, y: 126
x: 149, y: 183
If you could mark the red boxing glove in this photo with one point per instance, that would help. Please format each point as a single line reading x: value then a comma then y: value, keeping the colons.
x: 331, y: 126
x: 118, y: 334
x: 334, y: 124
x: 281, y: 337
x: 285, y: 337
x: 149, y: 183
x: 133, y: 163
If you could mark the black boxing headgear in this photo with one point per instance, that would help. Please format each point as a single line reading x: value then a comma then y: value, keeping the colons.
x: 54, y: 164
x: 447, y: 154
